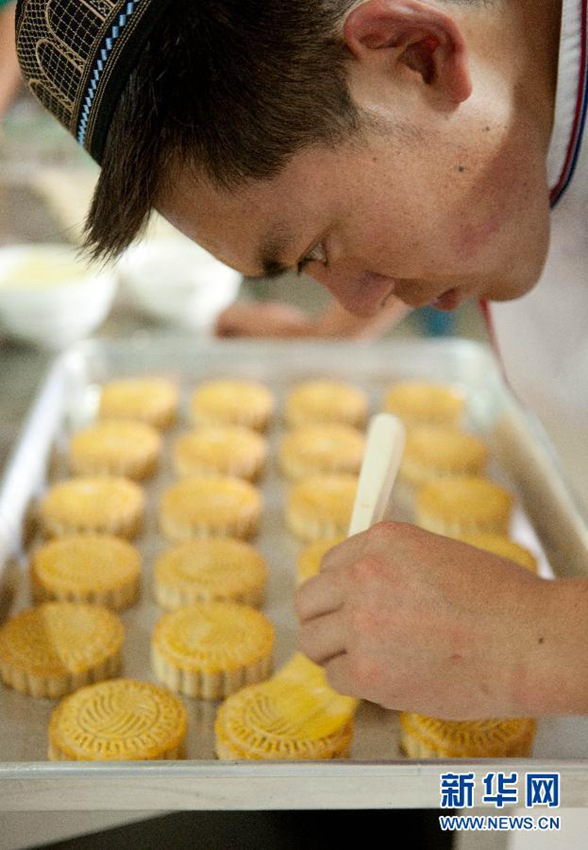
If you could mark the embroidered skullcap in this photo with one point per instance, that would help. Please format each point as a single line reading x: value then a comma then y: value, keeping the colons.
x: 76, y: 56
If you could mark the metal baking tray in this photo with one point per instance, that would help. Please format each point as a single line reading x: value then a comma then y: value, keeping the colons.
x: 376, y: 775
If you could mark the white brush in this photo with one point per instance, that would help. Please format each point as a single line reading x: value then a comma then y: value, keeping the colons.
x: 381, y: 460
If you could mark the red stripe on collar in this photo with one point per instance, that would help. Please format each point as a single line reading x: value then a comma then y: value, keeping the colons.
x: 579, y: 115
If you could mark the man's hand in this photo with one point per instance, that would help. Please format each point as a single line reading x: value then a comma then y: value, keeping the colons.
x: 263, y: 319
x: 413, y: 620
x: 279, y: 320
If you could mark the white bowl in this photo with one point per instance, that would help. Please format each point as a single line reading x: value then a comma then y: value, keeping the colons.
x: 177, y: 282
x: 49, y: 297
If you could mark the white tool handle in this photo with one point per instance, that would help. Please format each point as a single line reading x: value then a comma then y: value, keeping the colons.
x: 383, y: 453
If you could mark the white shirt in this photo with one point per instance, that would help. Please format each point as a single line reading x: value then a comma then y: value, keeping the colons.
x: 542, y: 338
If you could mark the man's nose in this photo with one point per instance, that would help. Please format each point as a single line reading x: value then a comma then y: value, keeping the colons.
x: 359, y: 292
x: 337, y: 280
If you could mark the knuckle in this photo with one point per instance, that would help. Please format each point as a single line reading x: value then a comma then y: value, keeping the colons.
x: 367, y: 569
x: 380, y: 533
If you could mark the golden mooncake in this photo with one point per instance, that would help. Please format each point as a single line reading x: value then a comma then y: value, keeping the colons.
x: 211, y: 649
x: 293, y: 715
x: 425, y: 403
x: 118, y: 720
x: 97, y: 568
x: 105, y: 504
x: 220, y: 450
x: 214, y: 569
x: 320, y: 506
x: 149, y: 399
x: 424, y: 737
x: 226, y: 401
x: 309, y: 558
x: 115, y: 447
x: 441, y: 452
x: 321, y: 449
x: 210, y: 507
x: 326, y: 401
x: 57, y: 647
x: 464, y: 505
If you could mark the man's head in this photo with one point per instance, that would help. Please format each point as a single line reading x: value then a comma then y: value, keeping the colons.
x: 337, y: 130
x: 230, y: 88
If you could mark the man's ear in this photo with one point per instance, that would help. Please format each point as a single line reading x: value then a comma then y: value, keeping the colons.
x: 416, y: 35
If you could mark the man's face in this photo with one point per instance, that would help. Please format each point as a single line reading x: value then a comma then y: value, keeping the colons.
x: 433, y: 214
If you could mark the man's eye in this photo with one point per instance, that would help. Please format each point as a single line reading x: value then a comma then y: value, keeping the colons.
x: 317, y: 254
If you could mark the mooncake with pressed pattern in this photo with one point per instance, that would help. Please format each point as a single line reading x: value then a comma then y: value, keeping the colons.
x: 232, y: 401
x: 115, y: 447
x: 153, y: 400
x: 97, y: 568
x: 100, y: 504
x: 320, y: 506
x: 321, y: 449
x: 423, y: 737
x: 214, y: 569
x: 57, y: 647
x: 208, y: 506
x: 293, y: 715
x: 323, y: 401
x: 441, y: 452
x: 118, y: 720
x: 421, y: 402
x: 464, y: 505
x: 220, y: 450
x: 211, y: 649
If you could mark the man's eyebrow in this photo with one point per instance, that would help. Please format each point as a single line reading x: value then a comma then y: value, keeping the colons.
x: 273, y: 268
x: 273, y: 248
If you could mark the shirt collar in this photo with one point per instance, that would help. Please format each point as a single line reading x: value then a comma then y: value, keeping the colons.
x: 571, y: 97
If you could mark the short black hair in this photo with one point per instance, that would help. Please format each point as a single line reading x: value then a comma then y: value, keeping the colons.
x: 231, y: 89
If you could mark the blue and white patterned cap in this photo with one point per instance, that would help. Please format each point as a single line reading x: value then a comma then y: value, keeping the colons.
x: 76, y: 56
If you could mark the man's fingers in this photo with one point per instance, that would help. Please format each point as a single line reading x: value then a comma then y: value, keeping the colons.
x: 345, y: 553
x: 322, y: 638
x: 319, y: 595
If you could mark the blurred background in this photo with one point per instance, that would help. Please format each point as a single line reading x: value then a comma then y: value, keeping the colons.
x: 46, y: 184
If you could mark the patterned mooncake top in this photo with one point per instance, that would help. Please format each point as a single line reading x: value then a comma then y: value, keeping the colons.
x: 118, y: 719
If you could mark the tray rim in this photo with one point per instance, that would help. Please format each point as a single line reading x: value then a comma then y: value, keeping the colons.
x: 203, y: 785
x: 41, y: 784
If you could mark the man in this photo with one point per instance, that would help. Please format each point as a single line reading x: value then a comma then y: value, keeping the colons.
x: 397, y: 151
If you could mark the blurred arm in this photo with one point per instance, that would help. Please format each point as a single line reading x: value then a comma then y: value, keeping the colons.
x: 276, y: 319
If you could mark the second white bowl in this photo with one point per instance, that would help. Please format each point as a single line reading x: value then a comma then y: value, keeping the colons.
x: 177, y: 282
